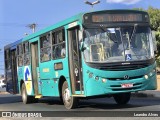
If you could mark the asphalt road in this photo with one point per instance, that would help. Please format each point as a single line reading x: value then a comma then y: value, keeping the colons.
x: 14, y: 103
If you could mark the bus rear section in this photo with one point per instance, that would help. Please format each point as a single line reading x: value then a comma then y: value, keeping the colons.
x: 10, y: 60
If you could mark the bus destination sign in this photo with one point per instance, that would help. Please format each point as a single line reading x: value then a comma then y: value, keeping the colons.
x: 97, y: 18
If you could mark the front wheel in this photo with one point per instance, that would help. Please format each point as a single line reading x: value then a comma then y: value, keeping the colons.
x: 122, y: 98
x: 69, y: 101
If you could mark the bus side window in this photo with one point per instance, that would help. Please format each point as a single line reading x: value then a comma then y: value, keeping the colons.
x: 20, y: 55
x: 7, y: 59
x: 26, y: 53
x: 45, y: 52
x: 58, y: 45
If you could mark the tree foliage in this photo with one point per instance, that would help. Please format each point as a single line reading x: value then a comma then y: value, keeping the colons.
x: 154, y: 14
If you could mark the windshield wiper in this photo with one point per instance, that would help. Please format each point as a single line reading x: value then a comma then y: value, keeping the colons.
x: 108, y: 34
x: 102, y: 28
x: 134, y: 31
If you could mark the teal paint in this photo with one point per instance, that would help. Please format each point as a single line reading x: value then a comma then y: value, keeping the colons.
x: 49, y: 78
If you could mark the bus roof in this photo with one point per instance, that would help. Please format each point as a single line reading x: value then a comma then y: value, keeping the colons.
x: 13, y: 45
x: 57, y: 25
x: 119, y: 10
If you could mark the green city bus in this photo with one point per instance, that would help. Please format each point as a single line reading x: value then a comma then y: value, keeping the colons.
x: 100, y: 53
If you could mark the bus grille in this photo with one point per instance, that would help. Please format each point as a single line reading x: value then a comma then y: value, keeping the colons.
x: 130, y: 78
x: 124, y: 67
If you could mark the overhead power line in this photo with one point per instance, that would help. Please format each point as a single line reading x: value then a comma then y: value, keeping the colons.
x: 20, y: 25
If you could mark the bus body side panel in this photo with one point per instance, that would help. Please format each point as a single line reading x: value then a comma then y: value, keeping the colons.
x: 24, y: 75
x: 47, y: 83
x: 50, y: 77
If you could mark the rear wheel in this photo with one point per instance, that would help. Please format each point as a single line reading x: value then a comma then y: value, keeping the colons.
x: 25, y: 98
x: 122, y: 98
x: 69, y: 101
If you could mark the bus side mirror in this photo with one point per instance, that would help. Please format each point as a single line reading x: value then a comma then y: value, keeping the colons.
x: 82, y: 47
x: 80, y: 35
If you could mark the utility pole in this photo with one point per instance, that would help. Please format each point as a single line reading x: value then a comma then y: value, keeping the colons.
x: 92, y: 3
x: 32, y: 26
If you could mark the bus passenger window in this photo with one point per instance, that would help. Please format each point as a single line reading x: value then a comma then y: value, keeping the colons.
x: 58, y: 45
x: 7, y: 60
x: 63, y: 51
x: 20, y: 55
x: 26, y: 53
x: 45, y: 52
x: 20, y: 61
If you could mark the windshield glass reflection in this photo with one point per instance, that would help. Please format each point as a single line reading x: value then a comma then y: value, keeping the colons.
x: 117, y: 44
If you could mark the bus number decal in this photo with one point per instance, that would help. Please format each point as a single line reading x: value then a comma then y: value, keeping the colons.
x: 46, y: 70
x: 27, y: 79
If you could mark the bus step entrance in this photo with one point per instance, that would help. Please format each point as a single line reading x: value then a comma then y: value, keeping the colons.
x: 38, y: 96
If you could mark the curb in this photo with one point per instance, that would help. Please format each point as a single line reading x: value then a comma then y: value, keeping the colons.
x: 1, y: 92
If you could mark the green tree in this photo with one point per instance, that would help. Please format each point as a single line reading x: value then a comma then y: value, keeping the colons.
x: 154, y: 14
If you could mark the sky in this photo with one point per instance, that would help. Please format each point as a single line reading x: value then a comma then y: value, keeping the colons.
x: 16, y: 15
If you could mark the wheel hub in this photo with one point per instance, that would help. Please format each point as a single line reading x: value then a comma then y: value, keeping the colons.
x: 67, y: 94
x: 23, y: 95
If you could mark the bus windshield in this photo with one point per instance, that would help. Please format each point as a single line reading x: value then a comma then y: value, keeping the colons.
x: 118, y: 44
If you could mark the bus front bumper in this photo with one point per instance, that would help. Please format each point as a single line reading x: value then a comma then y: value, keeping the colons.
x: 108, y: 87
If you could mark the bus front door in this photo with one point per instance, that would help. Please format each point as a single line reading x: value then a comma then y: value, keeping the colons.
x: 75, y: 63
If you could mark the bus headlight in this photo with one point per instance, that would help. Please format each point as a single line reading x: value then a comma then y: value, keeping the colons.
x: 104, y: 80
x: 152, y: 72
x: 90, y: 75
x: 146, y: 77
x: 96, y: 78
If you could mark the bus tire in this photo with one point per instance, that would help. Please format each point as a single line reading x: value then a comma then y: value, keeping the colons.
x: 69, y: 101
x: 122, y: 98
x: 33, y: 99
x: 25, y: 98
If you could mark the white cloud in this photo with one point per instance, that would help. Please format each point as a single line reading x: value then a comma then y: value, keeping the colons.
x: 127, y: 2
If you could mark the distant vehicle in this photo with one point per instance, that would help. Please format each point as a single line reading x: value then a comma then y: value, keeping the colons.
x: 2, y: 83
x: 4, y: 86
x: 103, y: 53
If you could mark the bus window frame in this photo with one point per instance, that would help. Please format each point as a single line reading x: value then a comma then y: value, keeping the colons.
x: 42, y: 48
x: 26, y: 53
x: 57, y: 42
x: 7, y: 59
x: 20, y: 55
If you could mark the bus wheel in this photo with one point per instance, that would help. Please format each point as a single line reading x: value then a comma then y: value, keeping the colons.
x: 25, y: 98
x: 122, y: 98
x: 69, y: 101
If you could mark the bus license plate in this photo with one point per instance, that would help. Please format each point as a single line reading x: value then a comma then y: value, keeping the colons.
x: 126, y: 85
